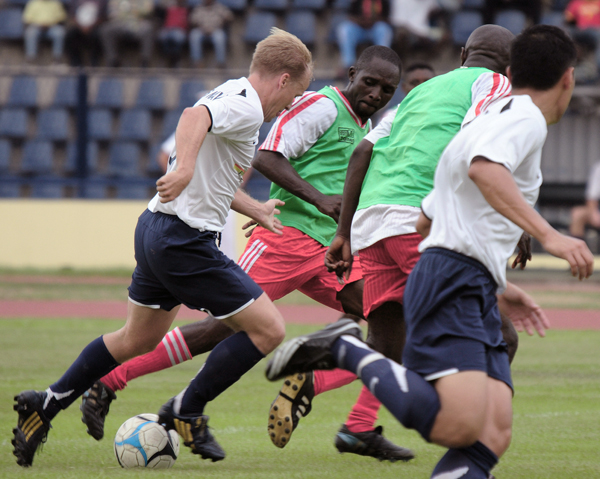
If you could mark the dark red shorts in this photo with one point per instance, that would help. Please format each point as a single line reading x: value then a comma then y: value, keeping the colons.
x: 281, y: 264
x: 386, y: 266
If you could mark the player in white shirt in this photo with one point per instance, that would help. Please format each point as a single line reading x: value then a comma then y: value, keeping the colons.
x: 455, y: 387
x: 179, y: 262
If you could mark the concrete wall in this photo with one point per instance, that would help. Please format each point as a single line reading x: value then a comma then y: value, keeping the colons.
x: 73, y: 233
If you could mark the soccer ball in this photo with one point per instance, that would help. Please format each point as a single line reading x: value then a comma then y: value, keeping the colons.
x: 142, y: 442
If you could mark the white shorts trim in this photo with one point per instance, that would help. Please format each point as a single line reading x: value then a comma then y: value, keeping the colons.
x: 228, y: 315
x: 151, y: 306
x: 441, y: 374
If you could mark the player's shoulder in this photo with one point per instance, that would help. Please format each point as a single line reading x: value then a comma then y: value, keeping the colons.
x: 313, y: 100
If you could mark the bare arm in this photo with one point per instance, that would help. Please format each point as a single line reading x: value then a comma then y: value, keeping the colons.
x: 522, y: 310
x: 261, y: 213
x: 275, y: 167
x: 338, y: 258
x: 423, y: 225
x: 500, y: 190
x: 192, y: 129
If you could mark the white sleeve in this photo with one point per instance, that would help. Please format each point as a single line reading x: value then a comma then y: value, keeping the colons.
x: 233, y: 115
x: 488, y: 88
x: 296, y: 130
x: 384, y: 127
x: 592, y: 191
x: 428, y: 205
x: 510, y: 138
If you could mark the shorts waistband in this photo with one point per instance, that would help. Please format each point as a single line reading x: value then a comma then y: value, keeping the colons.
x: 464, y: 258
x: 176, y: 219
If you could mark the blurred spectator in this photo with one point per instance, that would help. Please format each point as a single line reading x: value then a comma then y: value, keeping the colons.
x: 411, y: 19
x: 128, y: 19
x: 367, y: 22
x: 531, y: 8
x: 208, y: 20
x: 584, y: 16
x: 414, y: 75
x: 85, y: 18
x: 172, y: 37
x: 44, y: 19
x: 588, y: 214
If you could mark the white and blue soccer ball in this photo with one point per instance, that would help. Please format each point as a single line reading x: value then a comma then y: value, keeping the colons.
x: 142, y: 442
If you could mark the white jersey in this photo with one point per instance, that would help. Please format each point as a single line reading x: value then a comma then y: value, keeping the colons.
x: 377, y: 222
x: 224, y: 156
x: 592, y: 191
x: 511, y: 133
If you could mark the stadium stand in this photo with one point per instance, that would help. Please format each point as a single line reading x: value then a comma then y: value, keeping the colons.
x: 463, y: 24
x: 100, y: 124
x: 110, y: 93
x: 513, y: 20
x: 38, y: 156
x: 278, y: 6
x: 11, y: 26
x: 53, y: 124
x: 237, y: 6
x: 315, y: 5
x: 135, y: 124
x: 189, y: 92
x: 13, y: 123
x: 23, y: 92
x: 66, y: 92
x: 124, y: 160
x: 258, y: 26
x: 151, y: 95
x: 303, y: 24
x: 70, y: 165
x: 47, y: 188
x: 5, y: 151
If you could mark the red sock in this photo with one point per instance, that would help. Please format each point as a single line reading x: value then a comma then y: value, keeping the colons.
x: 328, y: 380
x: 363, y: 416
x: 171, y: 351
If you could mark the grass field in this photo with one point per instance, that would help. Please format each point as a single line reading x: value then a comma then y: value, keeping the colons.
x: 556, y: 412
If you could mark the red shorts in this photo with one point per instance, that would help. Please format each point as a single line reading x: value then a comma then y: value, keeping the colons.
x: 281, y: 264
x: 386, y: 266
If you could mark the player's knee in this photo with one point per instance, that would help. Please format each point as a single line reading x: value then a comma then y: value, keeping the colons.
x: 275, y: 334
x: 459, y: 433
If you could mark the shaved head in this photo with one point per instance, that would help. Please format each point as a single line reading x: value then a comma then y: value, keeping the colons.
x: 488, y: 47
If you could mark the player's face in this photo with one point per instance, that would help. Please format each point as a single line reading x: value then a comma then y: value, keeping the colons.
x: 415, y: 78
x: 372, y: 87
x: 287, y: 94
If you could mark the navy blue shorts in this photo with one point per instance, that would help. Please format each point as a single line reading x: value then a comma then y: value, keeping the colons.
x: 452, y: 319
x: 177, y: 264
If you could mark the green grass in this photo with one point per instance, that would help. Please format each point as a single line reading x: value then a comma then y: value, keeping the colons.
x: 556, y: 426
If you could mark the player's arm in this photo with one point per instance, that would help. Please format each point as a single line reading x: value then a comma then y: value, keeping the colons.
x: 498, y: 187
x: 261, y: 213
x: 522, y: 310
x: 425, y: 219
x: 339, y: 258
x: 193, y: 126
x: 275, y: 167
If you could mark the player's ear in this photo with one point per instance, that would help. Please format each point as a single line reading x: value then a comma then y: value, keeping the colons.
x: 352, y: 73
x: 509, y: 74
x: 284, y: 79
x: 463, y: 55
x: 568, y: 78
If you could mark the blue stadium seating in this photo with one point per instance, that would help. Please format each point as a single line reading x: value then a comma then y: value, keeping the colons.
x: 258, y: 26
x: 258, y: 186
x: 94, y: 189
x: 560, y: 5
x: 100, y: 124
x: 20, y: 3
x: 336, y: 19
x: 271, y: 5
x: 13, y: 123
x: 553, y: 18
x: 238, y: 6
x: 153, y: 169
x: 5, y: 149
x: 151, y: 95
x: 473, y: 4
x: 133, y: 191
x: 462, y: 25
x: 264, y: 130
x: 37, y: 158
x: 66, y: 92
x: 70, y: 166
x: 303, y: 24
x: 316, y: 5
x: 124, y: 160
x: 513, y: 20
x: 110, y: 93
x: 169, y: 124
x: 189, y: 93
x: 10, y: 188
x: 23, y: 92
x: 135, y: 124
x: 53, y: 124
x: 11, y: 25
x: 341, y: 5
x: 47, y: 188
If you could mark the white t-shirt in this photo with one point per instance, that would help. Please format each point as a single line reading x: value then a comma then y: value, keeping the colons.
x: 377, y: 222
x: 224, y: 156
x: 592, y: 191
x: 511, y: 132
x: 295, y: 131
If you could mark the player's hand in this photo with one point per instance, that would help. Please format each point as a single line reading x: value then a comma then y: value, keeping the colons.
x: 171, y: 185
x: 524, y: 253
x: 266, y: 218
x: 574, y: 250
x: 523, y: 311
x: 330, y: 206
x: 338, y: 258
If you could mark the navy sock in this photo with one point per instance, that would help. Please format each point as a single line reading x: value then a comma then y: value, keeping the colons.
x: 93, y: 363
x: 411, y: 399
x: 473, y: 462
x: 227, y: 363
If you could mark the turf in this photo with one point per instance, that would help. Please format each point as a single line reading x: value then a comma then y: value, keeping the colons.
x: 556, y: 433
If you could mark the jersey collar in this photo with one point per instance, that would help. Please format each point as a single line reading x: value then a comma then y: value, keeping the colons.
x: 349, y: 108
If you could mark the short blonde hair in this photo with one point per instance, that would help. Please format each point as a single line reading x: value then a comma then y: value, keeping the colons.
x: 281, y: 52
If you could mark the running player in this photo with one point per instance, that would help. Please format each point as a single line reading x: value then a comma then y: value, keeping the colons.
x: 179, y: 262
x: 407, y: 149
x: 306, y: 155
x: 456, y: 388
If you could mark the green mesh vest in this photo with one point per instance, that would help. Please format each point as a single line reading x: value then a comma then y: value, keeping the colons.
x: 324, y: 166
x: 403, y: 164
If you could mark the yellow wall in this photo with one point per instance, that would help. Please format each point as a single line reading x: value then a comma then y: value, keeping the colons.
x: 72, y: 233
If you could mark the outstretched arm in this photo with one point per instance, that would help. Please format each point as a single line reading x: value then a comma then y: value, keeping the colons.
x: 338, y: 258
x: 522, y: 310
x: 275, y: 167
x: 261, y: 213
x: 500, y: 190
